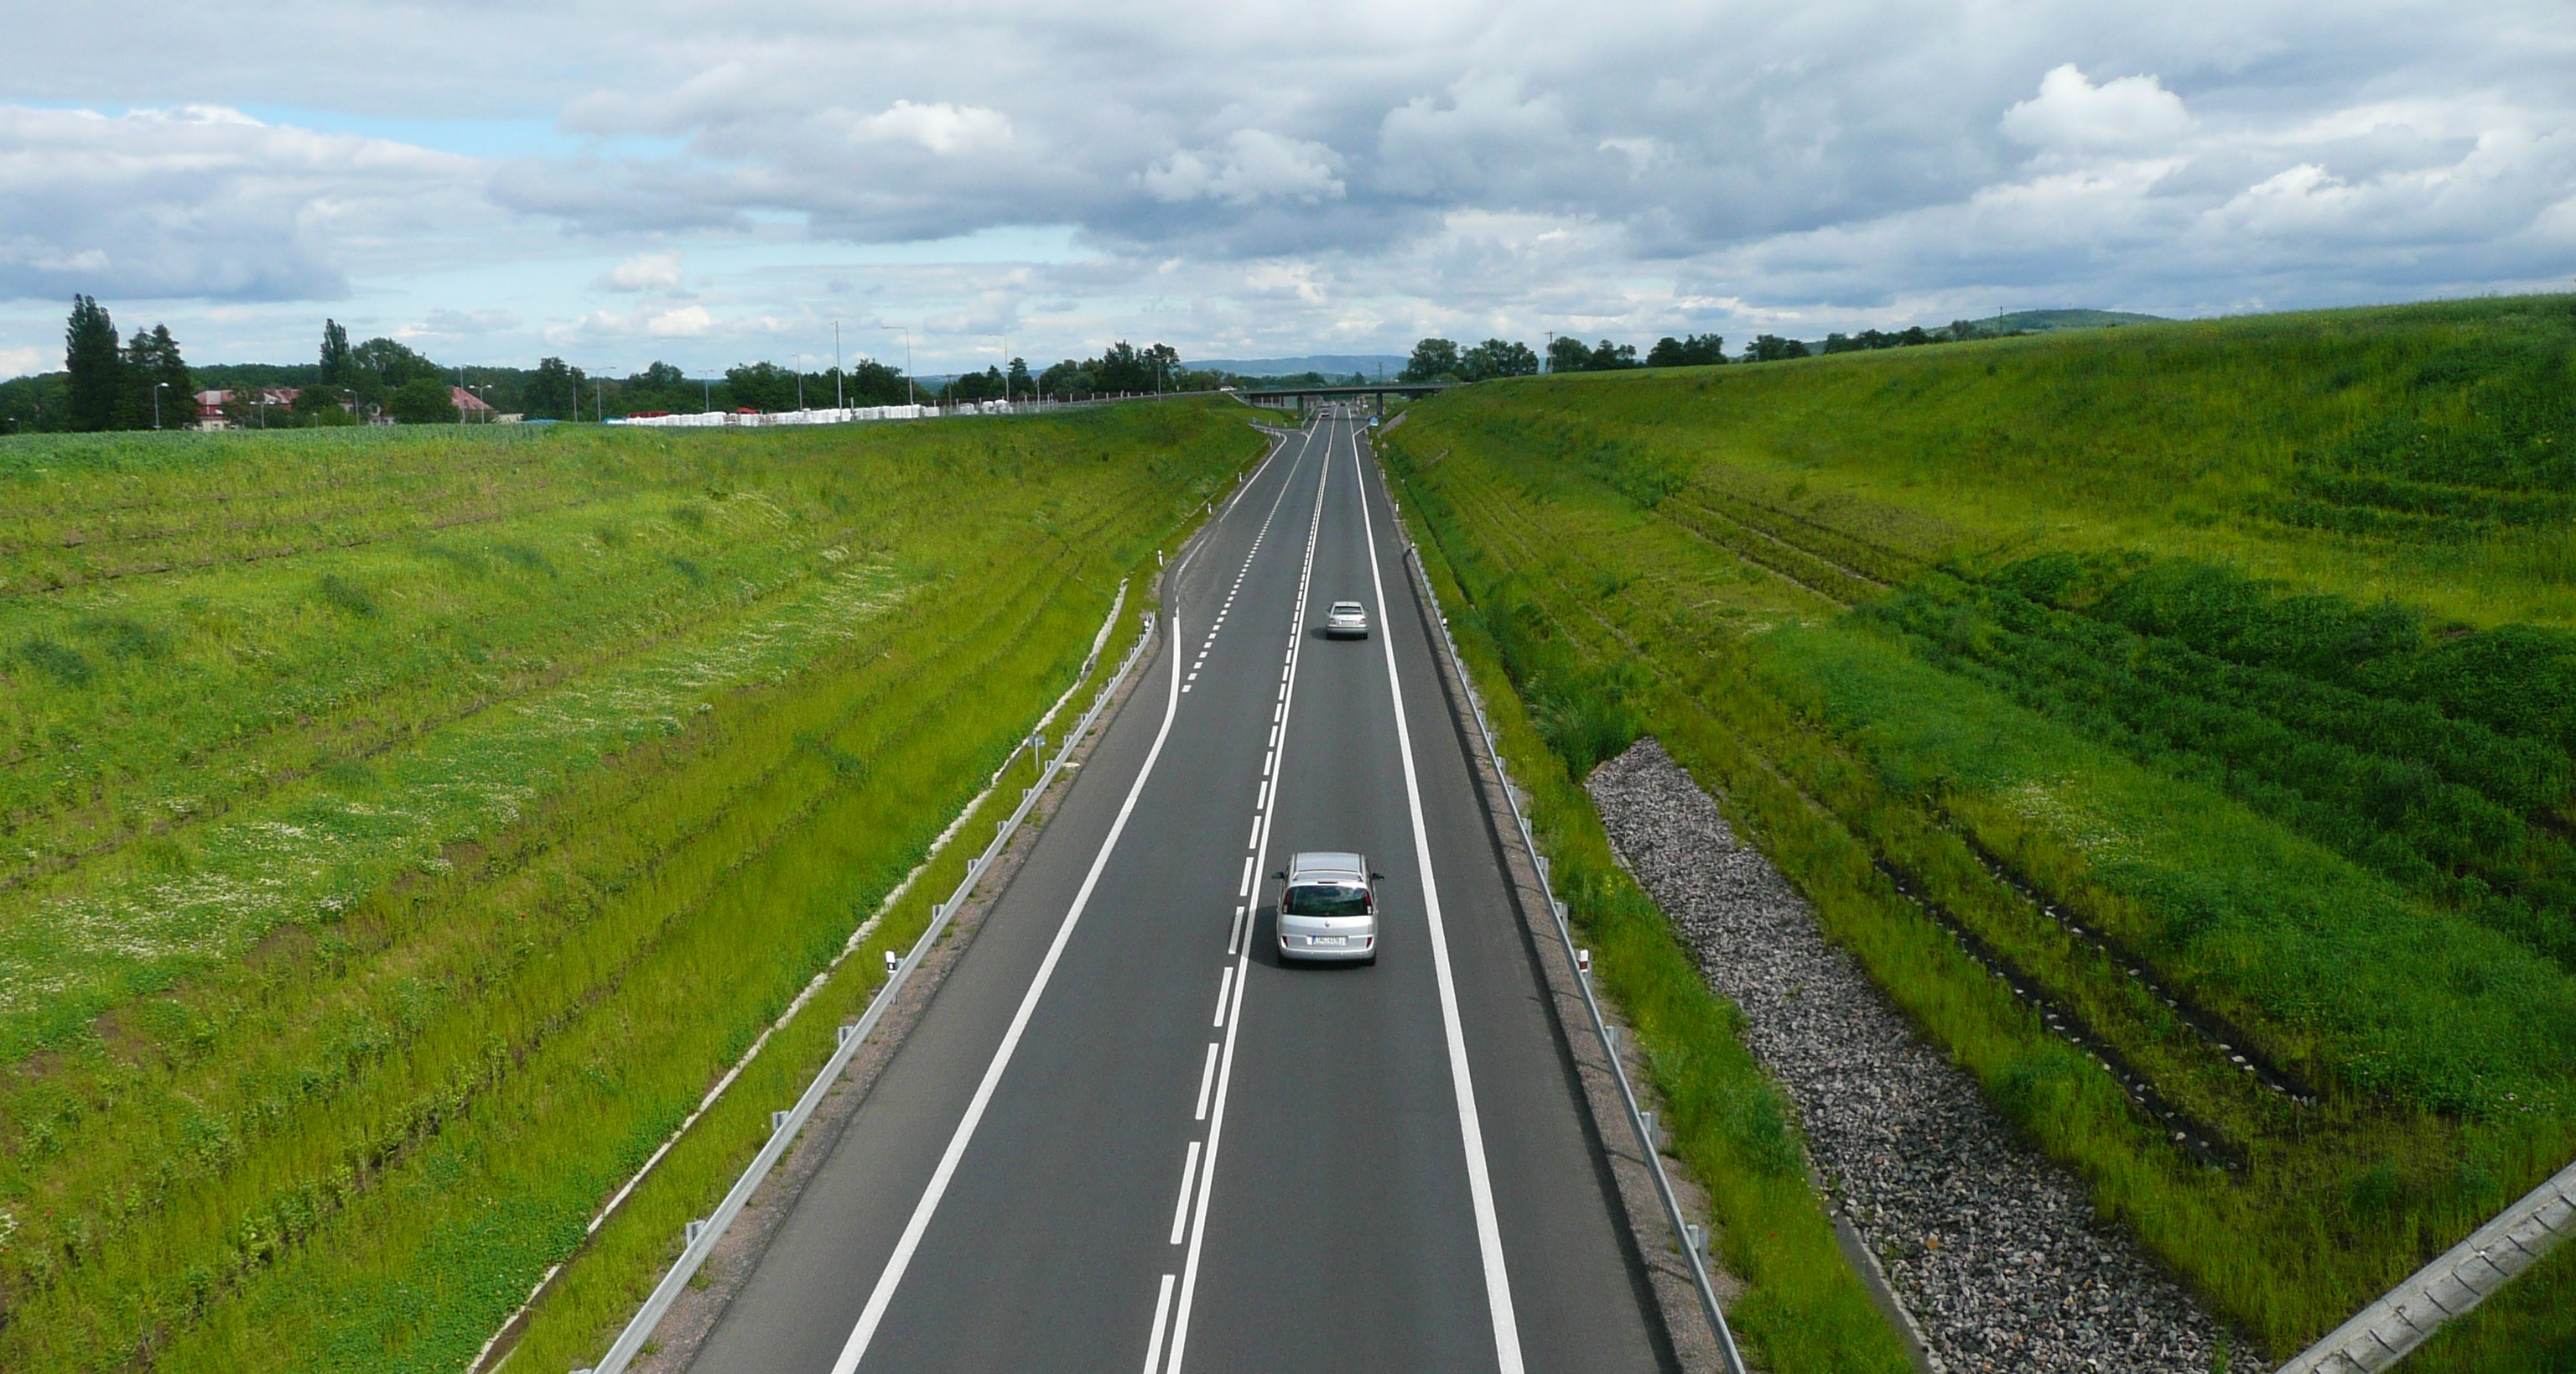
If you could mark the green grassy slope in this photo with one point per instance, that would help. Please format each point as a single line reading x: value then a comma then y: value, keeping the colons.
x: 403, y: 830
x: 2216, y: 678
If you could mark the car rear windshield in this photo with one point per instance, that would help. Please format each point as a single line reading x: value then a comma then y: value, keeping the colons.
x: 1326, y: 899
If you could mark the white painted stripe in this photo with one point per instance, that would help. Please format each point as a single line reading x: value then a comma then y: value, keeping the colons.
x: 1162, y: 1312
x: 1234, y: 936
x: 1189, y: 1175
x: 1267, y: 760
x: 1224, y: 982
x: 1248, y: 862
x: 1480, y: 1183
x: 1254, y: 840
x: 882, y: 1296
x: 1234, y: 1028
x: 1207, y: 1084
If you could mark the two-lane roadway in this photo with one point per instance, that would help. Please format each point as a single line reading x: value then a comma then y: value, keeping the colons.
x: 1124, y: 1137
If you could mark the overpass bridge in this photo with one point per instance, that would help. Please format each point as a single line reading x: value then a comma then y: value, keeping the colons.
x: 1304, y: 396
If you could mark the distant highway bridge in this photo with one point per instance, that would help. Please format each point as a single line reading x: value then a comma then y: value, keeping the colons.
x: 1308, y: 395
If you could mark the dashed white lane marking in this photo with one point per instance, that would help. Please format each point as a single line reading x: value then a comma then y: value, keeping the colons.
x: 1243, y: 963
x: 1162, y: 1313
x: 1224, y: 985
x: 1207, y: 1076
x: 1181, y: 1207
x: 891, y: 1277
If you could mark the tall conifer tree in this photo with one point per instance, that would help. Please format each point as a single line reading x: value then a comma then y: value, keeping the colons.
x: 335, y: 354
x: 96, y: 365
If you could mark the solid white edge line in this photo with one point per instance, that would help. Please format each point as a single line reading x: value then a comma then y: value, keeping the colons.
x: 1234, y: 1022
x: 1162, y: 1312
x: 1207, y: 1082
x: 1181, y: 1205
x: 882, y: 1296
x: 1480, y: 1183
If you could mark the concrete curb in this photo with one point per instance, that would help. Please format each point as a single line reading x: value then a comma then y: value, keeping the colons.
x: 2467, y: 1274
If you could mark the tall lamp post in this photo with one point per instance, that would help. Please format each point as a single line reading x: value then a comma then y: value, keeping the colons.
x: 838, y: 401
x: 157, y: 389
x: 907, y: 361
x: 1006, y: 368
x: 800, y: 383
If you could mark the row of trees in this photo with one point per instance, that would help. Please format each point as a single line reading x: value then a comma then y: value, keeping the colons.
x: 109, y: 384
x: 142, y: 384
x: 1436, y: 360
x: 1123, y: 367
x: 1442, y: 359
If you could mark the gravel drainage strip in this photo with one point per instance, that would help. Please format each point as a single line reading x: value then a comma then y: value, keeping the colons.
x: 1993, y: 1250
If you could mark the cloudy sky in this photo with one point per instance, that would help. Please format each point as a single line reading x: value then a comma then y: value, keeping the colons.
x: 707, y: 184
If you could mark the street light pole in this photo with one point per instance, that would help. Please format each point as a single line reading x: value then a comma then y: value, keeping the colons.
x: 839, y: 402
x: 157, y: 389
x: 1006, y: 367
x: 908, y: 398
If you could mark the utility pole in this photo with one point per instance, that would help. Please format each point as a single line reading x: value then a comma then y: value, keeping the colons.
x: 800, y: 383
x: 460, y: 393
x: 707, y: 391
x: 1006, y: 367
x: 838, y: 402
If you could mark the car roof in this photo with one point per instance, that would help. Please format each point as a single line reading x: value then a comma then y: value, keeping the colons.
x: 1326, y: 863
x: 1346, y: 605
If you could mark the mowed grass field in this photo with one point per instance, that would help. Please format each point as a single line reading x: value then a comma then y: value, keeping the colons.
x: 400, y: 831
x: 2215, y: 681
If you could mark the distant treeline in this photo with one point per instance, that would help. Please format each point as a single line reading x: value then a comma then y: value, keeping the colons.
x: 1436, y: 360
x: 108, y: 384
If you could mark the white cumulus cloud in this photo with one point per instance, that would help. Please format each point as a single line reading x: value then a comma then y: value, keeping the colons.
x: 2071, y: 114
x: 203, y: 201
x: 1254, y: 164
x: 646, y: 272
x: 942, y: 128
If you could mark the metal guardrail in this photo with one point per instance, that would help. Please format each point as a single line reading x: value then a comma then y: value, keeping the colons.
x: 1686, y: 1233
x: 701, y: 1236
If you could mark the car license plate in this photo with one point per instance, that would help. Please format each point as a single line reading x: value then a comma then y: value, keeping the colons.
x: 1332, y: 939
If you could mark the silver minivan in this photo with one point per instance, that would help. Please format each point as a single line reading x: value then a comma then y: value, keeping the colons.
x: 1329, y: 908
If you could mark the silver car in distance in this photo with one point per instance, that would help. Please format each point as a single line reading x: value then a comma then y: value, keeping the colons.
x: 1346, y: 620
x: 1329, y: 909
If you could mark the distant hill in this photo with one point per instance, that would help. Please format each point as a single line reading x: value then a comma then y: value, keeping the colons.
x: 2046, y: 321
x: 1366, y: 364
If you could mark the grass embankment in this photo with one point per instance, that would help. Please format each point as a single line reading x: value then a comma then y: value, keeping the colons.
x: 2213, y: 680
x: 408, y: 828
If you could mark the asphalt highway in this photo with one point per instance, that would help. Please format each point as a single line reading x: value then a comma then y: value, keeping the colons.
x: 1125, y: 1137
